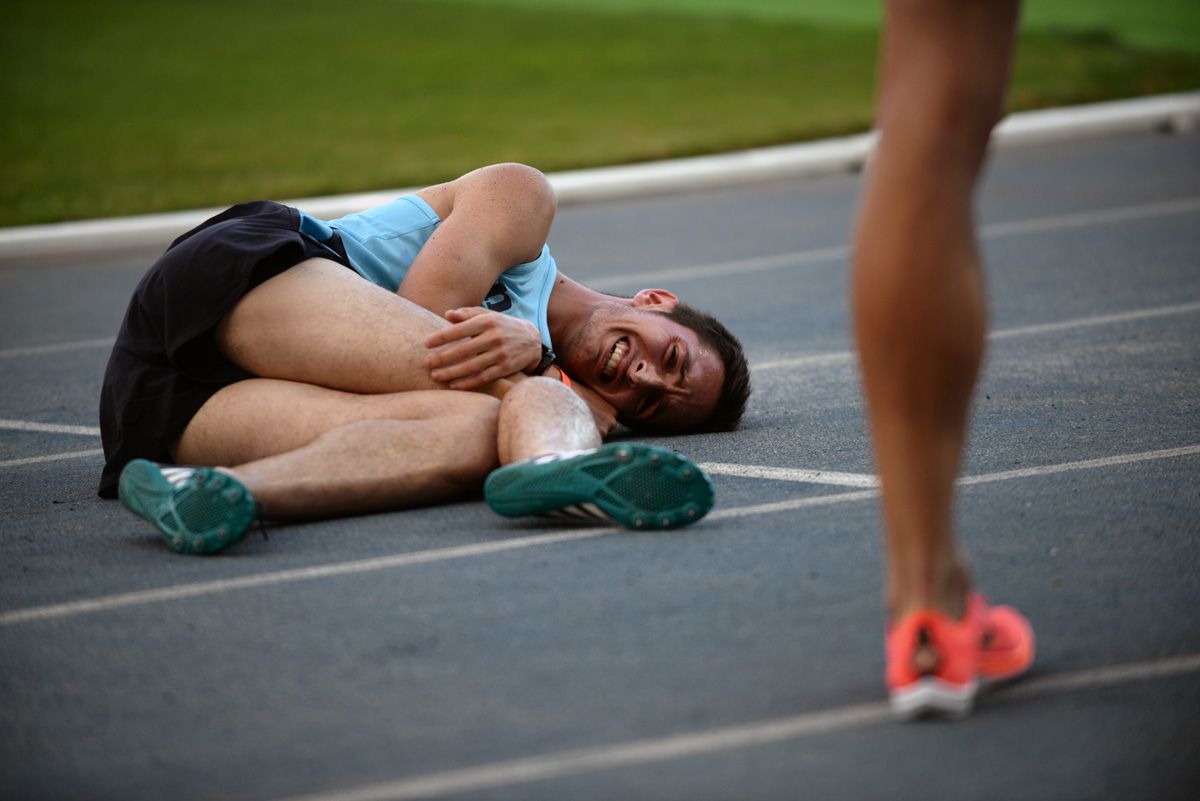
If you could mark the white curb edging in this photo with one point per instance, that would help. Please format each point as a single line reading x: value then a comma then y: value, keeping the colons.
x: 1175, y: 112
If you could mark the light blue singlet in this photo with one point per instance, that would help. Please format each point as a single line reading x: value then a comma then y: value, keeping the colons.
x: 383, y: 241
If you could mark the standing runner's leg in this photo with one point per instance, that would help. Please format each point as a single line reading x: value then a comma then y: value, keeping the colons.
x: 919, y: 318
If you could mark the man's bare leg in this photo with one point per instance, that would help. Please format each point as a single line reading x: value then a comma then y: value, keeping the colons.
x: 919, y: 314
x: 918, y: 295
x: 375, y: 465
x: 343, y: 362
x: 340, y: 453
x: 317, y: 328
x: 319, y: 323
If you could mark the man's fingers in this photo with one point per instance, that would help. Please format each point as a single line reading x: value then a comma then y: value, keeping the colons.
x: 461, y: 350
x: 481, y: 347
x: 463, y: 369
x: 464, y: 313
x: 470, y: 326
x: 480, y: 379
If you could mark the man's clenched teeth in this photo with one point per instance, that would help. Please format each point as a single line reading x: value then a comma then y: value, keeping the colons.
x: 609, y: 371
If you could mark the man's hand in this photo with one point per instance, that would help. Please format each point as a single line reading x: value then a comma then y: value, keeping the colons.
x: 480, y: 347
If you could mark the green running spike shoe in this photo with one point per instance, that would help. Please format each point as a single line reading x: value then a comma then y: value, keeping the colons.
x: 197, y: 509
x: 638, y: 486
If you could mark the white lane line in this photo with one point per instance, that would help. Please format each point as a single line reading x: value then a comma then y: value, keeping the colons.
x: 780, y: 506
x: 1102, y: 677
x: 1089, y: 218
x: 725, y: 268
x: 179, y: 591
x: 726, y: 738
x: 965, y: 481
x: 195, y: 589
x: 866, y: 480
x: 34, y: 350
x: 796, y: 362
x: 53, y: 457
x: 1086, y: 464
x: 841, y: 252
x: 1089, y: 322
x: 51, y: 428
x: 830, y: 477
x: 825, y: 359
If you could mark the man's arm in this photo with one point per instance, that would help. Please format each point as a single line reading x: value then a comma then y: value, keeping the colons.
x: 492, y: 218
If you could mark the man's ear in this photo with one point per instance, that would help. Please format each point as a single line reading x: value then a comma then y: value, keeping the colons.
x: 655, y: 300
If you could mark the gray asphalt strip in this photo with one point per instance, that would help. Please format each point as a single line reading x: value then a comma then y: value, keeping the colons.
x: 693, y: 744
x: 726, y: 269
x: 181, y: 591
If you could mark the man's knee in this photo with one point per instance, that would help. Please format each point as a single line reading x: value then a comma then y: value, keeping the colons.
x: 541, y: 415
x: 540, y: 401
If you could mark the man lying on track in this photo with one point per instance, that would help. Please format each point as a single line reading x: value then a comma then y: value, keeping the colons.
x: 397, y: 357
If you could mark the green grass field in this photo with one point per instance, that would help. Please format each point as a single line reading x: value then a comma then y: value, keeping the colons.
x: 1167, y: 24
x: 132, y: 106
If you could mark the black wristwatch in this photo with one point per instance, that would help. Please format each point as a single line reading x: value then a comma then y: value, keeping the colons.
x: 544, y: 363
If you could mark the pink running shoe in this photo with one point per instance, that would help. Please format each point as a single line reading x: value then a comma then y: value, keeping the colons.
x: 1008, y: 645
x: 935, y: 662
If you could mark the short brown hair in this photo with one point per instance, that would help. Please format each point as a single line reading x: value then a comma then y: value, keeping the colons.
x: 735, y: 392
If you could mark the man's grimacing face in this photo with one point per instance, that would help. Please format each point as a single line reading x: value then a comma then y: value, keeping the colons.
x: 654, y: 371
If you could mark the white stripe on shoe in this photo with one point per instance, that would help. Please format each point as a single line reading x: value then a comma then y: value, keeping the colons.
x: 177, y: 475
x: 581, y: 511
x: 595, y: 511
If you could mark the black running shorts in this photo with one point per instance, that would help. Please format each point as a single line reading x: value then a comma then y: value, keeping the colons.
x: 166, y: 364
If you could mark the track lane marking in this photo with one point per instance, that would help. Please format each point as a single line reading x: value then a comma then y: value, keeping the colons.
x: 777, y: 261
x: 494, y: 775
x: 839, y: 357
x: 866, y: 480
x: 725, y: 268
x: 830, y: 477
x: 192, y: 590
x: 34, y: 350
x: 1098, y: 320
x: 50, y: 428
x: 52, y: 457
x: 199, y: 588
x: 1086, y: 219
x: 1085, y: 464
